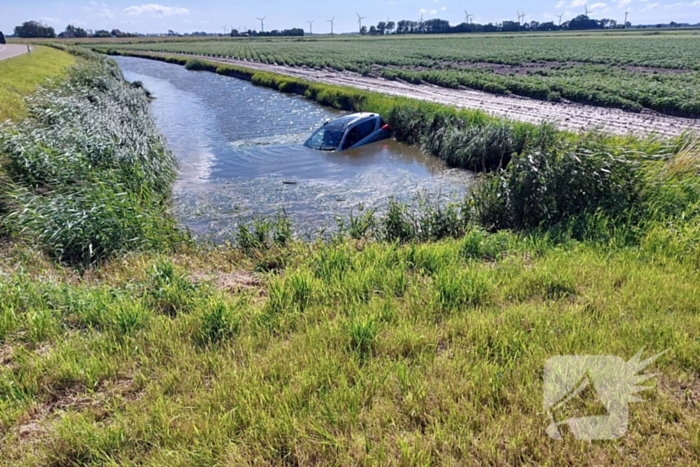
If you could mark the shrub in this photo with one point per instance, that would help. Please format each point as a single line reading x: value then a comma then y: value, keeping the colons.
x: 195, y: 64
x: 89, y: 175
x: 544, y: 189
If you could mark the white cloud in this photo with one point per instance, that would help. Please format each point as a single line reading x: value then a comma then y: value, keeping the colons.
x: 651, y: 6
x: 155, y: 8
x: 443, y: 8
x: 578, y: 3
x: 623, y: 3
x: 561, y: 4
x: 597, y: 6
x: 433, y: 12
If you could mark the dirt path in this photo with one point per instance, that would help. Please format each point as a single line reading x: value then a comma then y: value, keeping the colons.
x: 568, y: 116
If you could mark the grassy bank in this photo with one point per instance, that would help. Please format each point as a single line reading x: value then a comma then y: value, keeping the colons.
x: 414, y: 337
x: 375, y: 354
x: 87, y: 175
x: 20, y: 76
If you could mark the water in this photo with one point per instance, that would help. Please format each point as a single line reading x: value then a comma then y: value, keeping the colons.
x: 241, y: 154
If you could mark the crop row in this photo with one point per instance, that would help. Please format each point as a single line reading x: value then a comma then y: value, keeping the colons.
x: 655, y: 72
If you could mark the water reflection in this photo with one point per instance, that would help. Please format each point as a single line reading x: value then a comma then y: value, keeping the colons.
x: 240, y: 153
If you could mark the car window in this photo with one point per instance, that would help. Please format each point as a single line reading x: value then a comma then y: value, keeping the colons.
x: 366, y: 128
x: 359, y: 133
x: 325, y: 138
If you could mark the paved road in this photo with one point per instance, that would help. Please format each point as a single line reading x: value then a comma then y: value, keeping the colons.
x: 12, y: 50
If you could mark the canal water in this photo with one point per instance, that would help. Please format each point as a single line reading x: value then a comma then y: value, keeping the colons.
x: 241, y: 154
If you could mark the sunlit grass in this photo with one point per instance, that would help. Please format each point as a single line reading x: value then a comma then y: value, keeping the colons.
x: 20, y: 76
x: 363, y: 355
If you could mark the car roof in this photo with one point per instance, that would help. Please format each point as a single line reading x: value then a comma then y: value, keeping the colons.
x: 342, y: 123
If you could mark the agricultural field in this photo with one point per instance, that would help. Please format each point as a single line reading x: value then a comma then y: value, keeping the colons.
x: 633, y: 71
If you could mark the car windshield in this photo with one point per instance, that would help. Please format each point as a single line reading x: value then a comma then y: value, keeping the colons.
x: 325, y: 139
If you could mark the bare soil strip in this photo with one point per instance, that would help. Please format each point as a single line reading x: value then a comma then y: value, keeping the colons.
x: 568, y: 116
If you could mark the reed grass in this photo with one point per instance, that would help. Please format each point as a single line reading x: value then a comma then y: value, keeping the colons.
x: 88, y: 175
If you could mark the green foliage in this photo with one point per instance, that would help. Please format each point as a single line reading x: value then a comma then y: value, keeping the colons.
x: 218, y: 322
x: 88, y: 175
x: 194, y: 64
x: 544, y: 189
x: 362, y: 332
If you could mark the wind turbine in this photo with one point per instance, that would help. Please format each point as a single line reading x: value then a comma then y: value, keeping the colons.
x: 332, y: 23
x: 585, y: 7
x: 262, y: 24
x: 311, y: 31
x: 559, y: 16
x: 627, y: 12
x: 522, y: 16
x: 359, y: 21
x: 467, y: 17
x: 225, y: 26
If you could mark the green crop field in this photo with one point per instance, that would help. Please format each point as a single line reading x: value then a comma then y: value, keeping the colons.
x: 658, y: 71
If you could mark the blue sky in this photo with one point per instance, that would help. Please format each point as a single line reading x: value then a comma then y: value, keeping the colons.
x: 148, y: 16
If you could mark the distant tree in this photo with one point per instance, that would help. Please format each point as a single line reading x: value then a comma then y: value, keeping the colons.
x: 582, y: 22
x: 73, y: 32
x: 102, y: 33
x: 549, y: 26
x: 31, y: 29
x: 436, y: 26
x: 607, y: 23
x: 390, y: 26
x: 373, y: 31
x: 381, y: 27
x: 2, y: 38
x: 234, y: 32
x: 510, y: 26
x: 363, y: 30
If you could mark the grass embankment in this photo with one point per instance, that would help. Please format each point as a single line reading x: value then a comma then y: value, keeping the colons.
x: 348, y: 354
x: 87, y: 175
x: 20, y: 76
x: 422, y: 347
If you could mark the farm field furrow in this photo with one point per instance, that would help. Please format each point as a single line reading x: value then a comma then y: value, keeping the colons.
x: 630, y: 71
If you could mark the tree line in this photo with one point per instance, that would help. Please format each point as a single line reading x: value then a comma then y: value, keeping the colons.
x: 36, y: 29
x: 441, y: 26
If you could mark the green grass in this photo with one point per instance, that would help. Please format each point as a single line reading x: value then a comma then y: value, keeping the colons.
x: 631, y: 70
x: 370, y: 354
x: 20, y: 76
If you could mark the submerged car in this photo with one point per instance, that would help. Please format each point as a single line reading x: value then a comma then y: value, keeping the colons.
x: 349, y: 131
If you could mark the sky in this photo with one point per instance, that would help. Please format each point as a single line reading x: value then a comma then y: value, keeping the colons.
x: 185, y: 16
